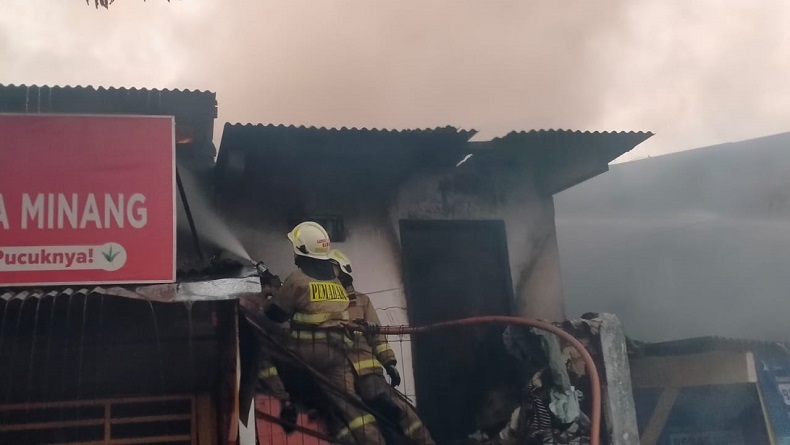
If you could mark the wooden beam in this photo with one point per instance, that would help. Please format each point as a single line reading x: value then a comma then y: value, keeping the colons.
x: 76, y: 403
x: 713, y: 368
x: 655, y: 426
x: 205, y: 420
x: 107, y: 423
x: 145, y: 419
x: 51, y: 425
x: 618, y: 400
x: 95, y: 442
x: 151, y: 439
x: 193, y: 421
x: 768, y: 427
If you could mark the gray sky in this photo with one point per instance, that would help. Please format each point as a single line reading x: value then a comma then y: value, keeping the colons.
x: 694, y: 72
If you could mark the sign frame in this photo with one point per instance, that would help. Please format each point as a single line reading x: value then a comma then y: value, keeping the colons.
x: 174, y: 202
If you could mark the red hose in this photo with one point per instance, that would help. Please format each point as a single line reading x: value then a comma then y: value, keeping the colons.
x: 595, y: 381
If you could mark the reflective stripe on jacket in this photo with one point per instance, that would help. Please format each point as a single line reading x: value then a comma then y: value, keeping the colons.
x: 368, y: 352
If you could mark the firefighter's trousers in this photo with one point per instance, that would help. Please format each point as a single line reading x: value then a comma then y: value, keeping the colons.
x: 376, y: 392
x: 352, y: 425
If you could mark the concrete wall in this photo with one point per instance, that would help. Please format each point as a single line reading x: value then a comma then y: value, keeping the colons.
x: 473, y: 191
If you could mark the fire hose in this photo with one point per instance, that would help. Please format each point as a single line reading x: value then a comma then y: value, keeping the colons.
x: 595, y: 380
x: 592, y: 370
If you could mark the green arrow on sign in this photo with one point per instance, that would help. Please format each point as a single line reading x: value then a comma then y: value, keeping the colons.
x: 110, y: 256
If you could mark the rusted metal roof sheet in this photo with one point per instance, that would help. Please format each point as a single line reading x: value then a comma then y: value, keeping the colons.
x: 91, y: 100
x: 209, y: 290
x: 384, y: 156
x: 351, y: 140
x: 609, y: 145
x: 562, y: 158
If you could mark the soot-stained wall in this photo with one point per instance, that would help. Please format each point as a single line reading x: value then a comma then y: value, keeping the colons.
x: 480, y: 189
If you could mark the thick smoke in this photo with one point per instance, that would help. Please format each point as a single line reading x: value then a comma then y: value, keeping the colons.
x: 684, y: 245
x: 695, y: 73
x: 211, y: 228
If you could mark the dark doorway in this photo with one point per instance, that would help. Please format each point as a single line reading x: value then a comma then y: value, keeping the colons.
x: 452, y: 270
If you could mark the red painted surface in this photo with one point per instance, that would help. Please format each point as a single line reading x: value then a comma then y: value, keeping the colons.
x: 86, y: 199
x: 272, y: 434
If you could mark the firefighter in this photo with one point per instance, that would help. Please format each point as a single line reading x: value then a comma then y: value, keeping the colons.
x: 315, y: 304
x: 371, y: 356
x: 268, y: 375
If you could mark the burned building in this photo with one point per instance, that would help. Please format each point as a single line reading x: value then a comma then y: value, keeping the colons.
x: 438, y: 228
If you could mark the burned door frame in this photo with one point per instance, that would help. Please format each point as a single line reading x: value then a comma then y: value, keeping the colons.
x: 495, y: 230
x: 495, y: 224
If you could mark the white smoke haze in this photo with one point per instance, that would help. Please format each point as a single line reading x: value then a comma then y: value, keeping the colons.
x: 209, y: 225
x: 696, y: 73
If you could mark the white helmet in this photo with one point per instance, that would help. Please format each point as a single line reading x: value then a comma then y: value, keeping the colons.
x: 342, y: 261
x: 311, y: 240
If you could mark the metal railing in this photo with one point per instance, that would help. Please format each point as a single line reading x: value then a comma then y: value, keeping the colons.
x: 403, y: 332
x: 119, y: 421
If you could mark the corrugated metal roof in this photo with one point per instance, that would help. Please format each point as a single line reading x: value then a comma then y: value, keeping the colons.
x: 568, y: 131
x: 280, y: 127
x: 238, y: 135
x: 92, y: 100
x: 392, y: 153
x: 609, y: 145
x: 562, y: 158
x: 698, y: 345
x: 101, y: 88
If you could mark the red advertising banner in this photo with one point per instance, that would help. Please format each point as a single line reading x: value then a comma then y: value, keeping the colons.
x: 86, y: 199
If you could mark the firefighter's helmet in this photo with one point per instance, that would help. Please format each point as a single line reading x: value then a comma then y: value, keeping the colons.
x: 311, y: 240
x: 342, y: 261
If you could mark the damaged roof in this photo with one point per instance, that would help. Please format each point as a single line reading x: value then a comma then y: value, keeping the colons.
x: 351, y: 140
x: 209, y: 290
x: 562, y: 158
x: 607, y: 145
x: 222, y: 280
x: 91, y: 100
x: 379, y: 158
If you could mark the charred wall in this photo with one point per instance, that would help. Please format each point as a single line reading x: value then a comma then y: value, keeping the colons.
x: 267, y: 182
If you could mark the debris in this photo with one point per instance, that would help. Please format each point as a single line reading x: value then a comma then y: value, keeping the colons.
x: 550, y: 411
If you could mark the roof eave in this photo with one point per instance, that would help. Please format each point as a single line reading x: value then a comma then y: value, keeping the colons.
x: 207, y: 290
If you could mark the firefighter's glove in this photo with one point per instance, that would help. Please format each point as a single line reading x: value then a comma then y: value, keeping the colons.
x: 288, y: 416
x: 372, y: 329
x: 352, y: 327
x: 392, y: 371
x: 369, y: 329
x: 266, y: 276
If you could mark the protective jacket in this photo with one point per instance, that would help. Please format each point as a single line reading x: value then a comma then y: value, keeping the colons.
x: 369, y: 352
